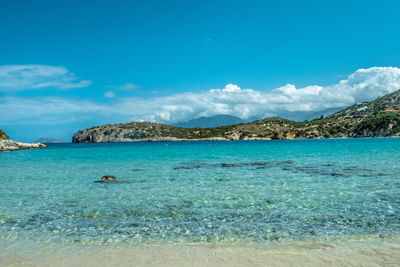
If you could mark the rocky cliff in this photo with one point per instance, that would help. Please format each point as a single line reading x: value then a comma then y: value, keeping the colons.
x: 378, y: 118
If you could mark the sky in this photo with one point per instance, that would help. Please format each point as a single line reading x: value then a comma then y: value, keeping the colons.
x: 70, y: 65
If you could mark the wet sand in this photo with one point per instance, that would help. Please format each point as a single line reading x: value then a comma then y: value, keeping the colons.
x: 343, y: 253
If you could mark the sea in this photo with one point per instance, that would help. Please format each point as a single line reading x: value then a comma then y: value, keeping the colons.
x: 202, y: 192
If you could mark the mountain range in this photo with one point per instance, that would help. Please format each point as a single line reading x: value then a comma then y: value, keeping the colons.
x: 214, y: 121
x: 223, y: 120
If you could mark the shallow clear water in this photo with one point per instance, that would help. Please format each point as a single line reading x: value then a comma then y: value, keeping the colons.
x: 249, y: 191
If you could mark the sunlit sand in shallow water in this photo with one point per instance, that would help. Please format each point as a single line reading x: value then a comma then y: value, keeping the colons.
x: 341, y: 253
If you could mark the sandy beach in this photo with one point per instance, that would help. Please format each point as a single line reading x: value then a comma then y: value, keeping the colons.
x: 341, y: 253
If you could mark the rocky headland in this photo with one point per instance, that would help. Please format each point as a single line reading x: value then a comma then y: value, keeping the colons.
x: 378, y: 118
x: 9, y: 145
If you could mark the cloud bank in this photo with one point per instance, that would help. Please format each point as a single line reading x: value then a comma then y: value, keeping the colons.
x: 362, y: 85
x: 24, y: 77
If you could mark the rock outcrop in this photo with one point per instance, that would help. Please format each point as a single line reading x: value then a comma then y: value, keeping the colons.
x: 8, y: 145
x: 378, y: 118
x: 3, y: 135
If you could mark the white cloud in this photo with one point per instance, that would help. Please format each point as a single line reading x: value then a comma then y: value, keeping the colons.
x: 364, y: 84
x: 124, y: 87
x: 24, y: 77
x: 47, y: 110
x: 109, y: 94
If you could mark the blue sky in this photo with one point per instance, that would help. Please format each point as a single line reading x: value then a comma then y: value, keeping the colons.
x: 88, y: 62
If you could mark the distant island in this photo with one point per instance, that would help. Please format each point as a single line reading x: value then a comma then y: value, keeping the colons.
x: 378, y: 118
x: 48, y: 140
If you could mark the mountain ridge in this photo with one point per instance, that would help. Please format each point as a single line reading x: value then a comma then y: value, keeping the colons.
x: 213, y: 121
x: 377, y: 118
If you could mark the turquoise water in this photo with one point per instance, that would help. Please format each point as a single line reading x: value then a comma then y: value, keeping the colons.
x: 246, y: 191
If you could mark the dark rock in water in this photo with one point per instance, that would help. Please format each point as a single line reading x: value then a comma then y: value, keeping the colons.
x: 108, y: 179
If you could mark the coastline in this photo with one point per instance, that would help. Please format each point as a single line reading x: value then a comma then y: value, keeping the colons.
x: 9, y: 145
x: 305, y: 253
x: 173, y: 139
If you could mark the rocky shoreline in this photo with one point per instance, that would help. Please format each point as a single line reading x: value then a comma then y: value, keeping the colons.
x: 174, y: 139
x: 9, y: 145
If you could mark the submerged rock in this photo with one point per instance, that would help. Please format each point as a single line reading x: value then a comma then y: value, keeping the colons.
x: 108, y: 178
x: 254, y: 164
